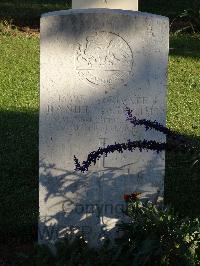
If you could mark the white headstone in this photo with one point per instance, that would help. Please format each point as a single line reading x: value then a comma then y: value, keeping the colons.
x: 93, y: 64
x: 112, y: 4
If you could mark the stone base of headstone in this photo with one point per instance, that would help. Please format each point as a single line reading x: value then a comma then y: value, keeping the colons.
x: 94, y: 63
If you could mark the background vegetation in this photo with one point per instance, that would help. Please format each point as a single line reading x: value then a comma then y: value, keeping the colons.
x: 27, y: 12
x: 19, y: 106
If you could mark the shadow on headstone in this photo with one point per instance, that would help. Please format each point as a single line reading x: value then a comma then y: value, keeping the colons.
x: 94, y: 63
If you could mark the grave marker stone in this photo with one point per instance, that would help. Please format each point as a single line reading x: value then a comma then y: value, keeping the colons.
x: 112, y: 4
x: 93, y: 64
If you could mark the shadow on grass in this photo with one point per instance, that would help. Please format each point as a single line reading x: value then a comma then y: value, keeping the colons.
x: 27, y: 13
x: 182, y: 179
x: 185, y: 46
x: 168, y: 8
x: 19, y: 176
x: 19, y: 181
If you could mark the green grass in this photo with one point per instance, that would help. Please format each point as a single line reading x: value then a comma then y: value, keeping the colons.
x: 182, y: 184
x: 19, y: 105
x: 19, y: 101
x: 184, y: 85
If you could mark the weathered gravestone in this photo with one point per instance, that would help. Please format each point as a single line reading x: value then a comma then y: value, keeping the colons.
x: 94, y: 63
x: 114, y: 4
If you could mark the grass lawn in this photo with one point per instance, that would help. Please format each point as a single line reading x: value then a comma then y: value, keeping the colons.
x: 182, y: 184
x: 19, y: 101
x: 19, y: 105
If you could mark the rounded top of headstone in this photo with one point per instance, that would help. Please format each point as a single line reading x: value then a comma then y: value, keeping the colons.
x: 103, y: 11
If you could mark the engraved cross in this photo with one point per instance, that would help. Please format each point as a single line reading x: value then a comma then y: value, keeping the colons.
x: 102, y: 142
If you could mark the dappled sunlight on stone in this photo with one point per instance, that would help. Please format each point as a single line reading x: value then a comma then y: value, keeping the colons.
x: 95, y: 63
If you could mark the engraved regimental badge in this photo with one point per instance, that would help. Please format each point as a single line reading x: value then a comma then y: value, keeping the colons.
x: 104, y: 59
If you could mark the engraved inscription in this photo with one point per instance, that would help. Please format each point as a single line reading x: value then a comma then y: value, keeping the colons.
x: 105, y: 59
